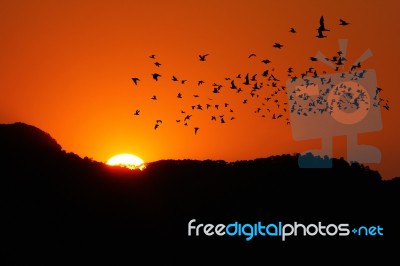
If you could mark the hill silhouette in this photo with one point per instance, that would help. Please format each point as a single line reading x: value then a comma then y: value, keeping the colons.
x: 59, y: 205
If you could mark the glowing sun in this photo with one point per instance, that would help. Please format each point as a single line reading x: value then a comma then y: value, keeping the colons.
x: 127, y: 160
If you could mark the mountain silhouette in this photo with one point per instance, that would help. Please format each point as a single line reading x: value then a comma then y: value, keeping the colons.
x: 61, y: 206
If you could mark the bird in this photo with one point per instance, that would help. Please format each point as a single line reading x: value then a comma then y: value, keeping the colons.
x: 158, y: 121
x: 313, y: 58
x: 174, y: 78
x: 203, y: 57
x: 321, y: 28
x: 233, y: 86
x: 322, y: 24
x: 266, y: 61
x: 135, y: 80
x: 222, y: 120
x: 277, y: 45
x: 156, y: 126
x: 157, y: 64
x: 156, y: 76
x: 179, y: 95
x: 153, y: 56
x: 343, y: 23
x: 252, y: 55
x: 246, y: 82
x: 213, y: 118
x: 195, y: 130
x: 292, y: 30
x: 137, y: 112
x: 320, y: 34
x: 200, y: 82
x: 154, y: 97
x: 244, y: 101
x: 187, y: 117
x: 183, y: 81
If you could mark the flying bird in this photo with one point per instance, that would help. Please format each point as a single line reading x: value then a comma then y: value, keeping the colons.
x: 277, y: 45
x: 343, y: 23
x: 292, y: 30
x: 174, y: 78
x: 157, y: 64
x: 156, y: 76
x: 247, y: 81
x: 135, y: 80
x: 252, y: 55
x: 203, y: 57
x: 233, y: 86
x: 179, y: 95
x: 137, y: 112
x: 321, y: 28
x: 195, y: 130
x: 154, y: 97
x: 320, y: 34
x: 266, y: 61
x: 153, y: 56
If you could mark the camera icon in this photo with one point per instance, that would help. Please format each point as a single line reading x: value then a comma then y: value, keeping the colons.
x: 324, y: 106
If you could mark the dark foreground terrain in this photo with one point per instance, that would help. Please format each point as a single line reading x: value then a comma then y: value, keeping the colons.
x: 58, y: 207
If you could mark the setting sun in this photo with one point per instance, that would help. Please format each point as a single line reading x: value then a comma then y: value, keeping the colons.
x: 127, y: 160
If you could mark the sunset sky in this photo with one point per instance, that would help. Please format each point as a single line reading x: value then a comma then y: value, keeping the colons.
x: 66, y: 68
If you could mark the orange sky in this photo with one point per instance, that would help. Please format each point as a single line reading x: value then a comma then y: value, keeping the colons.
x: 66, y: 67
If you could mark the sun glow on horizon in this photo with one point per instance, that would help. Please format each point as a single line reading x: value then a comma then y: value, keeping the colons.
x: 127, y: 160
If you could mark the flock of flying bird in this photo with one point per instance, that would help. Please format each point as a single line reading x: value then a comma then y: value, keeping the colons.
x: 266, y: 88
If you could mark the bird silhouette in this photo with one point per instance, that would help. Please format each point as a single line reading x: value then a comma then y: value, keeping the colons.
x: 322, y: 24
x: 321, y: 28
x: 156, y: 76
x: 203, y: 57
x: 320, y: 34
x: 154, y: 97
x: 200, y: 82
x: 158, y: 121
x: 153, y: 56
x: 233, y: 86
x: 213, y: 118
x: 195, y: 130
x: 277, y: 45
x: 266, y: 61
x: 313, y: 58
x: 246, y: 80
x: 222, y: 120
x: 156, y: 126
x: 292, y: 30
x: 183, y: 81
x: 135, y: 80
x: 179, y: 95
x: 137, y: 112
x: 252, y: 55
x: 343, y: 23
x: 174, y: 78
x: 157, y: 64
